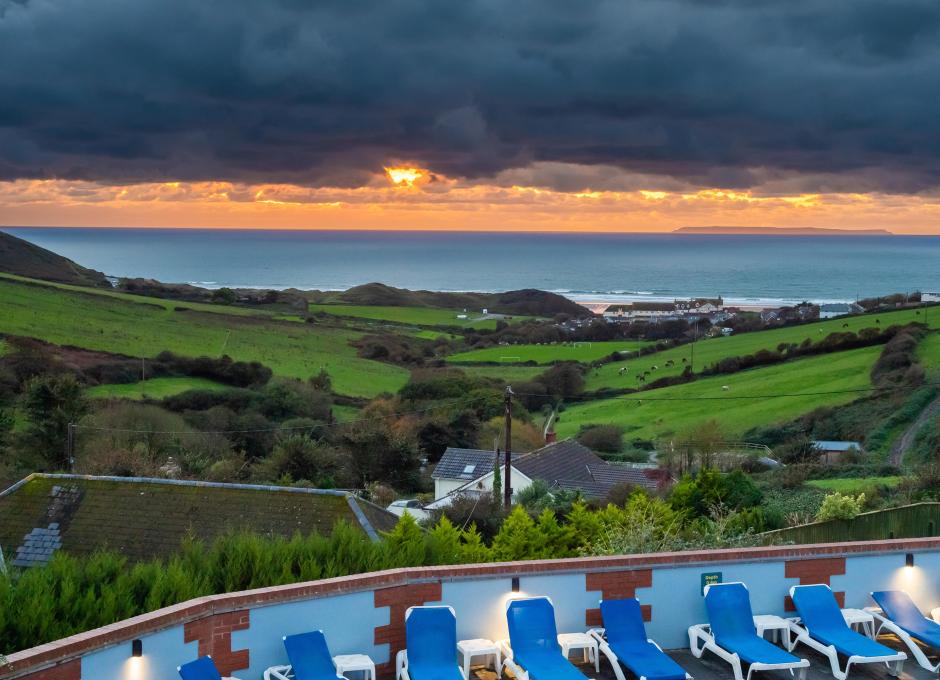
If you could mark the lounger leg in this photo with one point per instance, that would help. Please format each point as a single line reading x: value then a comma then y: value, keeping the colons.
x: 896, y: 667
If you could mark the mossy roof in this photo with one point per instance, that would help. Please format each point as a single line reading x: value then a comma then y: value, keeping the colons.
x: 143, y: 518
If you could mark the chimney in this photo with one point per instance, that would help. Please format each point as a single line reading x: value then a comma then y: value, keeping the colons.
x: 551, y: 437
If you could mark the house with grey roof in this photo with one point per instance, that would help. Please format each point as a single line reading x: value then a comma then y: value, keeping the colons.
x: 833, y: 451
x: 142, y: 518
x: 566, y: 465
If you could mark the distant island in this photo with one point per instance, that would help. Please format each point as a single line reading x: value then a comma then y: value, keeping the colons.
x: 782, y: 231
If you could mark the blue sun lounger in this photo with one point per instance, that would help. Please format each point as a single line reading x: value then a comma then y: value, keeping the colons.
x: 899, y: 615
x: 534, y: 652
x: 731, y: 635
x: 202, y: 668
x: 431, y: 645
x: 623, y: 641
x: 823, y: 628
x: 310, y: 659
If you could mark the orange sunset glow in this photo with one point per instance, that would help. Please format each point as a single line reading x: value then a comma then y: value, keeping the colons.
x: 413, y: 198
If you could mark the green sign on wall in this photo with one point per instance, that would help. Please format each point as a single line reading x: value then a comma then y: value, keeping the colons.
x: 710, y: 578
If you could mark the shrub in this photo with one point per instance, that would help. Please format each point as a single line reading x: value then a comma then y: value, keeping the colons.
x: 838, y: 506
x: 602, y: 438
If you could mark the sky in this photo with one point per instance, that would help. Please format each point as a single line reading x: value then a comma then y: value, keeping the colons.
x: 596, y: 115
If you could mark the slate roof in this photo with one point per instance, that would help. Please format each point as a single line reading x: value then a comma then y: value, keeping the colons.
x: 468, y: 464
x: 828, y: 445
x: 144, y: 518
x: 566, y: 464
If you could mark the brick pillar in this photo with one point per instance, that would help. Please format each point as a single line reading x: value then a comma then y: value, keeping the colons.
x: 214, y: 634
x: 70, y: 670
x: 617, y: 585
x: 398, y: 599
x: 810, y: 572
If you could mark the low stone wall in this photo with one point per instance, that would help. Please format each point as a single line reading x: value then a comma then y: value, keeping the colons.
x: 365, y: 613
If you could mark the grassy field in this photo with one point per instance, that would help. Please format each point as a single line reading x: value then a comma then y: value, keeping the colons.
x: 711, y: 350
x: 545, y: 354
x: 417, y: 316
x: 429, y: 334
x: 683, y: 406
x: 929, y: 352
x: 168, y: 305
x: 155, y: 388
x: 853, y: 485
x: 508, y: 374
x: 117, y: 325
x: 346, y: 413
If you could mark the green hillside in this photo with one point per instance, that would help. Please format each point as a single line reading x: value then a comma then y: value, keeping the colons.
x: 711, y: 350
x: 585, y: 352
x: 155, y: 388
x: 168, y: 305
x: 418, y: 316
x: 113, y: 324
x: 673, y: 410
x: 26, y: 259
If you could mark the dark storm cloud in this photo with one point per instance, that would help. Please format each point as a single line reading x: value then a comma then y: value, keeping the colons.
x: 703, y: 92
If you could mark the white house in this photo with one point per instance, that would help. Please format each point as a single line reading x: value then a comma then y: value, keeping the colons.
x: 564, y: 465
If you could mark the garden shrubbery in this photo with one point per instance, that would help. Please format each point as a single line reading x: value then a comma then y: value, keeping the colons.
x: 73, y: 594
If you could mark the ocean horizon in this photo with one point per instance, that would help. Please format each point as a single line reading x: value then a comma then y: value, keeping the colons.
x: 589, y: 267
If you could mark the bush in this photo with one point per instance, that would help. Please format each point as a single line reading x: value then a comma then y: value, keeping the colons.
x: 602, y: 438
x: 838, y: 506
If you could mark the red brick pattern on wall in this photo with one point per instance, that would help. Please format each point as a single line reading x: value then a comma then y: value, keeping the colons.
x: 814, y: 571
x: 398, y: 599
x: 214, y: 634
x: 616, y: 585
x: 71, y: 670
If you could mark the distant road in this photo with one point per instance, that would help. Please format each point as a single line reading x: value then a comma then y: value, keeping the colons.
x: 906, y: 440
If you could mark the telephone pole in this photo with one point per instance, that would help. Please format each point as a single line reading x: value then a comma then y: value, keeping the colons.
x: 507, y: 493
x: 70, y: 447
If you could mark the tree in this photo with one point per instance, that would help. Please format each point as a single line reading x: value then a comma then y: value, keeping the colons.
x: 565, y: 379
x: 300, y: 458
x: 602, y: 438
x: 223, y: 296
x: 705, y: 440
x: 838, y: 506
x: 379, y: 454
x: 321, y: 381
x: 50, y: 402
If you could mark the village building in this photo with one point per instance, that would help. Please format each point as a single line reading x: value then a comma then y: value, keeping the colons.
x: 694, y: 308
x: 566, y: 465
x: 834, y: 451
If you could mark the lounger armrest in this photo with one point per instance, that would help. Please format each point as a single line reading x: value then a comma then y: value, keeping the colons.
x: 504, y: 648
x: 401, y: 665
x: 509, y: 664
x: 597, y: 634
x: 278, y: 673
x: 700, y: 636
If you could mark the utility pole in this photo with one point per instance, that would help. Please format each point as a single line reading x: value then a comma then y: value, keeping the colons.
x: 507, y: 493
x: 70, y: 447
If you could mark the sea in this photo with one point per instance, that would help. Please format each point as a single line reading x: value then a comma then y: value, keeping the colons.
x: 758, y: 270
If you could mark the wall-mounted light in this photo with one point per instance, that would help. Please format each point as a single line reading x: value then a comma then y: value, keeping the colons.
x: 137, y: 648
x: 909, y: 559
x: 515, y: 584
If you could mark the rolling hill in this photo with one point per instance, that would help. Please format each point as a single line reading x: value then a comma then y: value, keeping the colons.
x: 25, y: 259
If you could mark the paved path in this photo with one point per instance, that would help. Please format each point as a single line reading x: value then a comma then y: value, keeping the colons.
x: 906, y: 440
